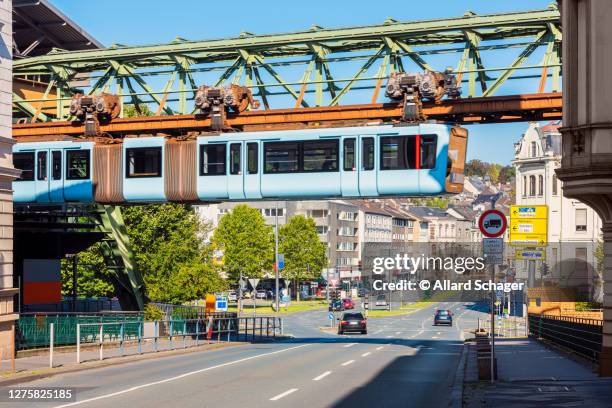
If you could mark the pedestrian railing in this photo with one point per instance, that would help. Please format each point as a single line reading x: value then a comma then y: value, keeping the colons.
x: 581, y: 336
x: 138, y: 337
x: 506, y: 327
x: 189, y: 311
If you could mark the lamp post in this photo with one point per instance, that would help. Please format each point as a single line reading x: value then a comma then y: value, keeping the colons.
x: 276, y: 271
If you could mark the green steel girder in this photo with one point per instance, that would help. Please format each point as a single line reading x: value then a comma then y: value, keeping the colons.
x: 283, y: 64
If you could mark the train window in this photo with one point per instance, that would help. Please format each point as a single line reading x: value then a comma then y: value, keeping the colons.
x: 56, y: 165
x: 77, y: 164
x: 213, y: 159
x: 367, y: 149
x: 235, y: 158
x: 398, y: 152
x: 428, y: 151
x: 252, y: 156
x: 349, y: 155
x: 41, y: 170
x: 25, y: 163
x: 320, y: 155
x: 281, y: 157
x: 143, y: 162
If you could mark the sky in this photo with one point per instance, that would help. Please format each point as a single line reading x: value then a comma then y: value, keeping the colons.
x: 139, y: 22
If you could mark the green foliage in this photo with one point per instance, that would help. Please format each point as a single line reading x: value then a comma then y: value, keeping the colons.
x: 152, y: 312
x: 247, y: 243
x: 131, y: 111
x: 93, y: 279
x: 439, y: 202
x: 496, y: 172
x: 304, y: 252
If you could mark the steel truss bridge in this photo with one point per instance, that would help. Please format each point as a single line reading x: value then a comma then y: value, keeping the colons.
x: 318, y: 77
x: 308, y: 77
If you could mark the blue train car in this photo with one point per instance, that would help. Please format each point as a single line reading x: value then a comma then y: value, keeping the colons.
x: 367, y: 161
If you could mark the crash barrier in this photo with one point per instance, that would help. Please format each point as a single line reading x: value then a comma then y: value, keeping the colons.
x: 483, y: 356
x: 141, y: 337
x: 189, y: 312
x: 581, y: 336
x: 32, y: 329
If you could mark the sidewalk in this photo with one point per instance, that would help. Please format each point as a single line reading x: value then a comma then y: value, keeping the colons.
x: 531, y: 375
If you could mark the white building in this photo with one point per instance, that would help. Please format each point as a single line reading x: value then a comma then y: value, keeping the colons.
x: 573, y: 227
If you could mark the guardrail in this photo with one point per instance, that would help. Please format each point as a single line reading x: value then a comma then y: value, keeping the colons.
x: 156, y: 336
x: 581, y: 336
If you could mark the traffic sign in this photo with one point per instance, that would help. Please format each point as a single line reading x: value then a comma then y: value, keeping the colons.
x: 254, y: 282
x: 494, y: 259
x: 528, y: 211
x: 530, y: 254
x: 528, y: 239
x: 492, y: 223
x: 529, y: 226
x: 221, y: 304
x: 330, y: 316
x: 493, y: 245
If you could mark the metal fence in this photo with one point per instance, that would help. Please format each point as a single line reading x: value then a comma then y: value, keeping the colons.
x: 189, y: 312
x: 32, y: 329
x: 506, y: 327
x: 171, y: 334
x: 582, y: 336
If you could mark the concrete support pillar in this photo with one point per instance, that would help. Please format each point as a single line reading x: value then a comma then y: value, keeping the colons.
x: 586, y: 165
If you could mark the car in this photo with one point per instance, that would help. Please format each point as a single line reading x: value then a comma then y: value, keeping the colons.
x: 336, y: 306
x: 261, y: 294
x: 363, y: 292
x: 232, y: 296
x: 353, y: 322
x: 381, y: 300
x: 443, y: 317
x: 348, y: 303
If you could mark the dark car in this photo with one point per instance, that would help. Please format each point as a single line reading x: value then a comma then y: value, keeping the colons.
x: 443, y: 317
x: 348, y: 303
x: 353, y: 322
x: 336, y: 306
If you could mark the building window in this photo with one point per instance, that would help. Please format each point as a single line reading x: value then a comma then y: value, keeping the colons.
x: 212, y: 159
x: 581, y: 219
x: 532, y: 186
x: 534, y: 149
x: 316, y: 213
x: 322, y: 229
x: 540, y: 185
x: 524, y: 186
x: 25, y: 163
x: 271, y: 212
x: 554, y: 184
x: 77, y: 164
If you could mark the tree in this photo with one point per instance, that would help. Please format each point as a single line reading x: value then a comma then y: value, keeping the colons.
x: 246, y: 241
x: 93, y: 278
x: 304, y: 252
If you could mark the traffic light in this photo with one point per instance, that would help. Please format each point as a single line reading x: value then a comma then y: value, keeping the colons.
x: 335, y: 295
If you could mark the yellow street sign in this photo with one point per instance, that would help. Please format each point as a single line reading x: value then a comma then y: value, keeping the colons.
x: 530, y: 254
x: 528, y: 211
x: 528, y: 226
x: 529, y: 239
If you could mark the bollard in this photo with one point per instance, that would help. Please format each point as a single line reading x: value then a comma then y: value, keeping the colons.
x: 51, y: 341
x: 78, y: 342
x: 140, y: 329
x: 101, y: 341
x: 155, y: 334
x: 185, y: 333
x: 121, y: 332
x: 197, y: 331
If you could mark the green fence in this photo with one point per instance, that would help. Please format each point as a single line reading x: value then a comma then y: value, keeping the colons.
x: 33, y: 330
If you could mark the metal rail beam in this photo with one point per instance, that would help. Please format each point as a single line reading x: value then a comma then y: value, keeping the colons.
x: 525, y: 107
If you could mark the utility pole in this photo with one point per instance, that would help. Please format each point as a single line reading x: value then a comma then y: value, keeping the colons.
x: 276, y: 271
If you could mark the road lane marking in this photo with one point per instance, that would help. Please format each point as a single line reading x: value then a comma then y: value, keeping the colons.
x: 417, y: 334
x: 389, y: 337
x: 398, y: 332
x: 284, y: 394
x: 378, y: 331
x: 366, y: 354
x: 320, y: 377
x: 349, y: 345
x: 379, y: 348
x: 178, y: 377
x: 348, y: 362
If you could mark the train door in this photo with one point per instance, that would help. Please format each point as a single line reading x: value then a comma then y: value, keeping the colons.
x: 212, y: 162
x: 56, y: 181
x: 398, y: 172
x: 252, y: 170
x: 367, y: 166
x: 235, y: 178
x: 348, y: 168
x: 41, y: 178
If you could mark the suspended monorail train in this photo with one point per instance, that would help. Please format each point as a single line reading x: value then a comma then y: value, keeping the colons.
x: 350, y: 162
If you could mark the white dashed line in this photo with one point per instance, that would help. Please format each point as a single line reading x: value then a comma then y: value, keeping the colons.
x: 398, y: 332
x: 366, y: 354
x: 284, y: 394
x: 389, y: 337
x: 379, y: 348
x: 320, y: 377
x: 348, y: 362
x: 349, y: 345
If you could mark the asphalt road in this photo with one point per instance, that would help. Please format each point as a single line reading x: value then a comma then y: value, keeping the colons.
x: 404, y: 361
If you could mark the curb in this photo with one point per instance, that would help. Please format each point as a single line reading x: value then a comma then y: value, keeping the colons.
x: 28, y: 376
x: 457, y: 389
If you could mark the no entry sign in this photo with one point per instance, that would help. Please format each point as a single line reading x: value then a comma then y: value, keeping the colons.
x: 492, y: 223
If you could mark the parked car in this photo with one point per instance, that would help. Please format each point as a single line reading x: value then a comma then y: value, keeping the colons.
x: 381, y: 300
x: 353, y: 322
x: 348, y: 303
x: 443, y: 317
x: 336, y: 306
x: 261, y: 294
